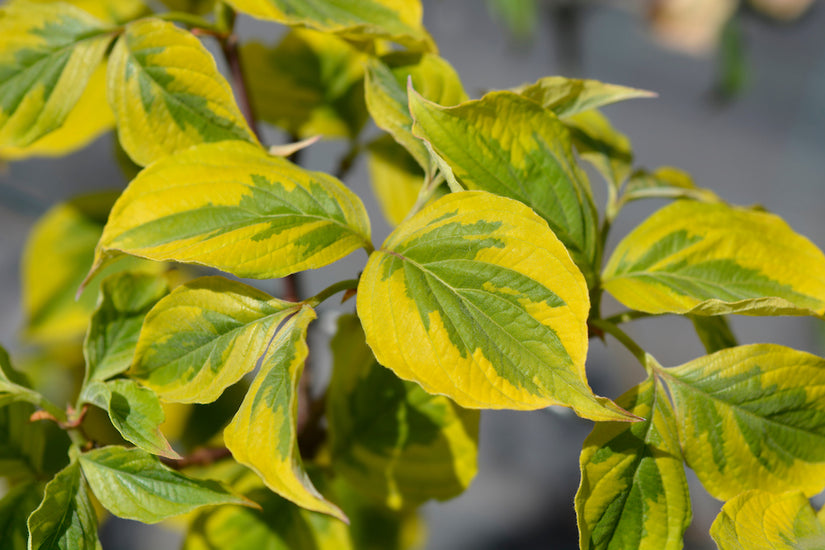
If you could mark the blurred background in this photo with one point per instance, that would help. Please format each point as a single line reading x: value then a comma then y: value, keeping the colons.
x: 741, y: 107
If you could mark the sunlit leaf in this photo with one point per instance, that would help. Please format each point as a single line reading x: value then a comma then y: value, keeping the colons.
x: 167, y: 93
x: 759, y: 520
x: 204, y: 337
x: 58, y: 254
x: 15, y: 507
x: 396, y: 20
x: 712, y: 259
x: 568, y: 96
x: 476, y: 299
x: 389, y: 438
x: 66, y: 519
x: 633, y: 491
x: 115, y: 12
x: 134, y: 411
x: 511, y: 146
x: 116, y: 323
x: 752, y: 417
x: 310, y: 84
x: 597, y: 142
x: 665, y: 183
x: 232, y: 206
x: 263, y: 435
x: 396, y: 178
x: 386, y: 94
x: 133, y: 484
x: 47, y: 55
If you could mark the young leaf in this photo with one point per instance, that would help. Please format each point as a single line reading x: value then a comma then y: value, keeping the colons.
x: 47, y: 55
x: 396, y: 178
x: 231, y: 206
x: 385, y: 88
x: 310, y: 84
x: 512, y: 147
x: 712, y: 259
x: 389, y: 438
x: 752, y: 417
x: 66, y: 519
x: 476, y: 299
x: 667, y: 183
x: 15, y: 507
x: 204, y: 337
x: 133, y: 484
x: 633, y: 491
x: 597, y: 142
x: 568, y: 96
x: 57, y: 256
x: 110, y: 343
x: 134, y: 411
x: 167, y: 93
x: 353, y: 19
x: 759, y: 520
x: 263, y: 434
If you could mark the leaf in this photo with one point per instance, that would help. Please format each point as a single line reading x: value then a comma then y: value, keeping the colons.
x: 752, y: 417
x: 88, y: 119
x: 15, y: 507
x: 396, y: 20
x: 134, y: 411
x: 66, y: 519
x: 233, y: 207
x: 133, y: 484
x: 29, y: 450
x: 476, y: 299
x: 309, y: 84
x: 759, y: 520
x: 569, y: 96
x: 125, y: 300
x: 204, y: 337
x: 119, y: 12
x: 385, y: 88
x: 58, y: 253
x: 167, y: 94
x: 389, y: 438
x: 713, y: 259
x: 633, y: 491
x: 666, y: 183
x: 529, y: 158
x: 14, y: 385
x: 263, y: 434
x: 396, y: 178
x: 519, y: 18
x: 47, y: 55
x: 714, y: 332
x: 597, y: 142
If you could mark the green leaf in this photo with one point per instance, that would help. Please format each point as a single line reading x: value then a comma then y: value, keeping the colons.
x: 134, y: 411
x: 310, y: 84
x: 29, y: 450
x: 204, y: 337
x: 58, y: 254
x: 15, y: 507
x: 133, y: 484
x: 568, y: 96
x: 125, y: 300
x: 714, y: 332
x: 510, y: 146
x: 597, y: 142
x: 759, y: 520
x: 389, y: 438
x: 665, y: 183
x: 712, y: 259
x: 231, y: 206
x: 399, y: 21
x: 752, y: 417
x: 263, y: 435
x: 47, y: 55
x: 633, y: 491
x: 477, y: 284
x: 14, y: 385
x: 386, y: 95
x: 167, y: 93
x: 519, y: 18
x: 396, y: 178
x: 66, y: 519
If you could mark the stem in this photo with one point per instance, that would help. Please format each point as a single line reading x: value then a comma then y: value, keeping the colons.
x: 641, y: 355
x: 349, y: 284
x: 629, y: 315
x: 194, y: 22
x: 229, y: 46
x: 200, y: 457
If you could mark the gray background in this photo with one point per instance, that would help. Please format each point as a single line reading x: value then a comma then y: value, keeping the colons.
x: 766, y: 147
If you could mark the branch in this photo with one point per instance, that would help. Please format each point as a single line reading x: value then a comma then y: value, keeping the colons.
x: 203, y: 456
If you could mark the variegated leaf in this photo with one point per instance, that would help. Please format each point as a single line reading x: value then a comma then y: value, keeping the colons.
x: 568, y: 96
